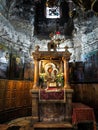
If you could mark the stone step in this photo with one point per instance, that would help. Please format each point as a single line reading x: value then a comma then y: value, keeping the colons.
x: 52, y: 125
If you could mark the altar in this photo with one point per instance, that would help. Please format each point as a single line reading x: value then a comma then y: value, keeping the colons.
x: 51, y: 93
x: 56, y: 109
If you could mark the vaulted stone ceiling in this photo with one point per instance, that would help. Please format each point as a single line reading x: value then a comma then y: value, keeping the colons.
x: 23, y: 23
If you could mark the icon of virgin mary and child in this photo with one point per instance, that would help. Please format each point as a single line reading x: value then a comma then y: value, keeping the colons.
x: 51, y: 72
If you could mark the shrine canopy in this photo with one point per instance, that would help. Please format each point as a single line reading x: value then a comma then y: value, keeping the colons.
x: 55, y: 66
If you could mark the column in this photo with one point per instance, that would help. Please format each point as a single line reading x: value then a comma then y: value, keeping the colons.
x: 36, y: 74
x: 35, y: 105
x: 68, y: 108
x: 66, y: 58
x: 66, y: 85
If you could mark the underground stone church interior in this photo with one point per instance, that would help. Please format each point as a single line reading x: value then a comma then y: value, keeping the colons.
x: 48, y: 64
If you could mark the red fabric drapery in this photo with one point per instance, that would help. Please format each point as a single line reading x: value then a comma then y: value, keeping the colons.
x: 83, y: 113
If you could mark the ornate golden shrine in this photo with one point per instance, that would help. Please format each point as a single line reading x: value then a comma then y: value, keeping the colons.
x: 49, y: 65
x: 45, y: 61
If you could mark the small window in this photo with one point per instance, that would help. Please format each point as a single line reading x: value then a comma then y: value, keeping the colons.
x: 52, y: 9
x: 53, y: 12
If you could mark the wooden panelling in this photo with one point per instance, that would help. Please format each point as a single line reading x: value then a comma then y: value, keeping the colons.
x: 15, y: 99
x: 87, y: 93
x: 2, y: 83
x: 1, y: 104
x: 2, y: 94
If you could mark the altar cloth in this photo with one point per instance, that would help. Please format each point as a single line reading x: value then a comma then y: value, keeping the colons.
x: 51, y: 95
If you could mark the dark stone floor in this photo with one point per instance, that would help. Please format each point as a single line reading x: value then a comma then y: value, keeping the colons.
x: 25, y: 123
